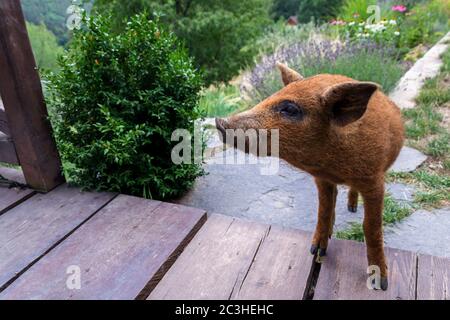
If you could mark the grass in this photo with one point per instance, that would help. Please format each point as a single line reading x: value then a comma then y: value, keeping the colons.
x: 433, y: 188
x: 221, y: 101
x: 393, y: 212
x: 428, y: 131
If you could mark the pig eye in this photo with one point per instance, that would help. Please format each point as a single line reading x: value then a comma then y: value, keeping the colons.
x: 290, y: 109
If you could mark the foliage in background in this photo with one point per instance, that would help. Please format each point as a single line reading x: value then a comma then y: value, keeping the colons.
x: 45, y: 46
x: 215, y: 32
x: 221, y: 101
x: 284, y: 9
x: 425, y: 23
x: 319, y: 10
x: 365, y: 61
x: 305, y: 10
x: 52, y: 13
x: 115, y: 104
x: 280, y: 35
x: 358, y: 9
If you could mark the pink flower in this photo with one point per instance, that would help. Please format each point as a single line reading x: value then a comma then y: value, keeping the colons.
x: 337, y: 23
x: 399, y: 8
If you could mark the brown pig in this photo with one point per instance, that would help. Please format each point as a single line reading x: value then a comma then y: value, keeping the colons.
x: 341, y: 131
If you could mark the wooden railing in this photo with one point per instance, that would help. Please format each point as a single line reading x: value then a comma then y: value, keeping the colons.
x: 26, y: 135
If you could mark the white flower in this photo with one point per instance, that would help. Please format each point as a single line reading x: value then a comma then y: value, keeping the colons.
x: 393, y: 22
x: 359, y: 35
x: 397, y: 33
x: 352, y: 23
x: 375, y: 27
x: 361, y: 24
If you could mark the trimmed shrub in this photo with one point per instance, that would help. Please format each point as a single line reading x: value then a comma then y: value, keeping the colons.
x: 115, y: 104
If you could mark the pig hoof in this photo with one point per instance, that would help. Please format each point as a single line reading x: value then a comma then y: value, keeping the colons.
x: 352, y: 208
x: 315, y: 249
x: 322, y: 252
x: 384, y: 283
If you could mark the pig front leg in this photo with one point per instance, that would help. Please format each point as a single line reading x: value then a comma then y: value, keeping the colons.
x: 373, y: 229
x: 326, y: 216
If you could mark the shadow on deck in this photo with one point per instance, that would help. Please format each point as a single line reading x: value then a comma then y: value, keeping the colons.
x: 69, y: 244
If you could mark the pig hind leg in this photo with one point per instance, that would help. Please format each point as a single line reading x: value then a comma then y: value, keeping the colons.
x: 352, y: 203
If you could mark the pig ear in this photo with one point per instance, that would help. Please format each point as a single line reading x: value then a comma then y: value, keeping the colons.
x: 287, y: 74
x: 348, y: 101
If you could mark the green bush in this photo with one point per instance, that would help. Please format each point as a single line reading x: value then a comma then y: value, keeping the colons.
x: 115, y: 104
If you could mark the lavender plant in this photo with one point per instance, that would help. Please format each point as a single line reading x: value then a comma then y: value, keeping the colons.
x: 362, y: 60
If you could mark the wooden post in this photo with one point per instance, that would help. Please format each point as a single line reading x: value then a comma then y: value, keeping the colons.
x: 26, y: 113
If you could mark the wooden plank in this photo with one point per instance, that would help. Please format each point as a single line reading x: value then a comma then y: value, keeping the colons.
x: 281, y: 267
x: 215, y: 264
x: 21, y: 92
x: 7, y: 150
x: 121, y: 252
x: 343, y: 274
x: 10, y: 198
x: 433, y: 278
x: 32, y: 228
x: 3, y: 122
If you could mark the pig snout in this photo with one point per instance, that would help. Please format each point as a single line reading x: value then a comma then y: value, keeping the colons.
x: 234, y: 132
x: 221, y: 125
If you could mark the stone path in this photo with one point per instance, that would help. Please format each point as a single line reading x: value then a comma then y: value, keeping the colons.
x: 288, y: 198
x: 427, y: 67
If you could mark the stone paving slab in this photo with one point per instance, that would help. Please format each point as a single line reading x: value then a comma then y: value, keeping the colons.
x: 408, y: 160
x: 423, y: 232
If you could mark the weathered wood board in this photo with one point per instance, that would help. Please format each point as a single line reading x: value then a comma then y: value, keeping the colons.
x: 343, y: 274
x: 235, y: 259
x: 433, y: 280
x: 14, y: 196
x: 281, y: 267
x: 120, y: 253
x: 30, y: 229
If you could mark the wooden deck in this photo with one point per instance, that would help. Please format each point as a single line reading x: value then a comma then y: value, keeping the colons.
x: 130, y: 248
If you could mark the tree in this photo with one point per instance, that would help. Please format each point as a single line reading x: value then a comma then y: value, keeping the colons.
x: 45, y: 46
x: 318, y: 9
x: 305, y: 10
x: 214, y: 31
x: 284, y: 8
x: 52, y: 13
